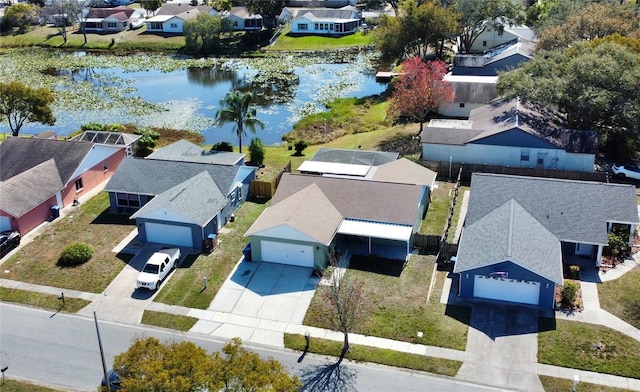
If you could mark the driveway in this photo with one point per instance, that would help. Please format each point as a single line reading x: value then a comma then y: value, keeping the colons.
x: 502, y: 347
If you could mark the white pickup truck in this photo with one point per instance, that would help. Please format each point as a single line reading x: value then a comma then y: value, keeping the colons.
x: 157, y: 268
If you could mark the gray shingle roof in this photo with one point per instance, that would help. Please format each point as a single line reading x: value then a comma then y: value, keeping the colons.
x: 324, y: 13
x: 473, y: 92
x: 574, y: 211
x: 196, y: 200
x: 152, y: 177
x: 359, y: 199
x: 105, y: 12
x: 511, y: 233
x: 184, y: 150
x: 358, y: 157
x: 179, y: 8
x: 404, y: 171
x: 19, y: 154
x: 27, y: 190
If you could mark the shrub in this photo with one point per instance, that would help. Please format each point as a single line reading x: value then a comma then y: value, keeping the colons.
x: 569, y: 292
x: 300, y: 145
x: 147, y: 141
x: 618, y: 241
x: 75, y: 254
x: 256, y: 151
x: 222, y: 146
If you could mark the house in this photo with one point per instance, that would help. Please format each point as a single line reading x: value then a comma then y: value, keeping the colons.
x: 336, y: 161
x: 171, y: 17
x: 322, y: 21
x: 500, y: 58
x: 311, y: 214
x: 176, y: 201
x: 519, y: 231
x: 241, y: 19
x: 469, y: 92
x: 509, y: 132
x: 320, y: 3
x: 39, y: 176
x: 109, y: 20
x: 50, y: 14
x: 491, y: 38
x: 185, y: 151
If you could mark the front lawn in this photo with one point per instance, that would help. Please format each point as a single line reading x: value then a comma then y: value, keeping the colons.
x: 587, y: 347
x: 621, y: 297
x: 43, y: 301
x: 315, y: 42
x: 398, y: 307
x: 92, y: 223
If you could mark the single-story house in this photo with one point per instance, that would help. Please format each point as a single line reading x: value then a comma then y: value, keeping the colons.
x: 178, y: 202
x: 470, y: 92
x: 241, y: 19
x: 320, y: 3
x: 170, y: 18
x: 518, y: 231
x: 322, y: 21
x: 108, y: 19
x: 510, y: 132
x: 185, y: 151
x: 39, y: 176
x: 311, y: 214
x: 500, y: 58
x: 491, y: 38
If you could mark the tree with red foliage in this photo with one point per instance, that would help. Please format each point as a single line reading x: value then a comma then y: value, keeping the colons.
x: 419, y: 90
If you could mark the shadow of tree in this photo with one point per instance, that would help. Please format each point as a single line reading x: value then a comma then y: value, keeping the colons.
x: 330, y: 377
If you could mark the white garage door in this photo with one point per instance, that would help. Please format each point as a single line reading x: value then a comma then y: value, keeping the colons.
x: 292, y: 254
x: 168, y: 234
x: 505, y: 289
x: 5, y: 223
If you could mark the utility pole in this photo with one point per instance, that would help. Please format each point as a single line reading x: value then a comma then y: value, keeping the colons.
x: 104, y: 363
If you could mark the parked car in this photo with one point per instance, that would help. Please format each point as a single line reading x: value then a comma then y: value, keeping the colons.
x: 157, y: 268
x: 8, y: 240
x: 114, y: 380
x: 630, y: 171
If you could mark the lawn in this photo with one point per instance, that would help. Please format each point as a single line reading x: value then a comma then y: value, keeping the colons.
x: 92, y: 223
x: 621, y: 297
x: 23, y: 386
x: 314, y: 42
x: 587, y: 347
x: 552, y: 384
x: 397, y: 305
x: 43, y: 301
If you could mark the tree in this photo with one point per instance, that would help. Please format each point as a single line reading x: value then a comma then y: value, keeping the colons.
x: 22, y: 15
x: 21, y: 104
x: 68, y: 12
x: 151, y: 5
x: 345, y: 298
x: 149, y: 365
x: 554, y: 13
x: 222, y: 5
x: 416, y: 29
x: 236, y: 108
x: 256, y: 152
x: 595, y: 84
x: 420, y: 90
x: 147, y: 141
x: 203, y: 33
x: 477, y: 16
x: 269, y: 9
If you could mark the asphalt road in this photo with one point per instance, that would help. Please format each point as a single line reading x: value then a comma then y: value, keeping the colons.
x: 62, y: 351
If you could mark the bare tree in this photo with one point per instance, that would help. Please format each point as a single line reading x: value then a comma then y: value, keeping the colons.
x: 346, y: 299
x: 68, y: 13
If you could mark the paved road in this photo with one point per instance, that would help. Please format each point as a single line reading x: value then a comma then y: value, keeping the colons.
x: 61, y: 350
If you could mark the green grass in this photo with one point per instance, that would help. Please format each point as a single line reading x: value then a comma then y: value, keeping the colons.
x: 621, y: 297
x: 40, y: 300
x: 167, y: 320
x: 397, y: 306
x: 553, y: 384
x: 438, y: 211
x: 361, y: 353
x: 90, y: 222
x: 23, y: 386
x: 588, y: 347
x: 314, y: 42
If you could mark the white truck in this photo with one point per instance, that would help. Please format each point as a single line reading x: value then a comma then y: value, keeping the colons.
x: 157, y: 268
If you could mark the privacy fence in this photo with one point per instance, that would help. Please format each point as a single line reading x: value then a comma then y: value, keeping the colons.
x: 265, y: 189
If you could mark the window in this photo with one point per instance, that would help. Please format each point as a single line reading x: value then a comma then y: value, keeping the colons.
x: 111, y: 25
x: 79, y: 185
x: 127, y: 200
x: 235, y: 23
x: 484, y: 43
x: 174, y: 25
x: 462, y: 104
x: 542, y: 156
x: 316, y: 26
x: 524, y: 155
x: 155, y: 26
x: 303, y: 26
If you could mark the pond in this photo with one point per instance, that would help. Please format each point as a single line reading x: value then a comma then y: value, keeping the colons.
x: 188, y: 97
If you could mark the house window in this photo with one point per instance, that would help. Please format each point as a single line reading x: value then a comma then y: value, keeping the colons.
x: 303, y: 26
x: 316, y: 26
x: 462, y: 104
x: 174, y: 25
x: 542, y: 156
x: 128, y: 200
x: 155, y: 26
x: 524, y: 155
x: 111, y: 25
x: 79, y: 185
x: 235, y: 23
x: 484, y: 43
x: 233, y: 199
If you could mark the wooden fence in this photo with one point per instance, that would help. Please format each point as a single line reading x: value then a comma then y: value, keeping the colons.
x: 266, y: 189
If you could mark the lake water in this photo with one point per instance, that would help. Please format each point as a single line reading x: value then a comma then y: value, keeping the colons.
x: 190, y: 98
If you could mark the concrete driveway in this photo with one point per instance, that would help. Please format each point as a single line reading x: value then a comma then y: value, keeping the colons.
x: 502, y: 347
x: 267, y: 291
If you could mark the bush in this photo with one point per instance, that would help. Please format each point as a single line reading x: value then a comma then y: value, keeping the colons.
x: 222, y: 146
x: 256, y: 151
x: 75, y: 254
x: 147, y: 141
x: 569, y: 292
x: 618, y: 241
x: 300, y: 145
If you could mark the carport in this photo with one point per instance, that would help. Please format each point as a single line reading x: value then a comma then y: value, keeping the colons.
x: 382, y: 239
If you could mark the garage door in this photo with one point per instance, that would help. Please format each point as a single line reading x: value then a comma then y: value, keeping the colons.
x: 505, y: 289
x: 292, y: 254
x: 168, y: 234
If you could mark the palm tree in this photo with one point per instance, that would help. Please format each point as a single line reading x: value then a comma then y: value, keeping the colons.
x: 236, y: 108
